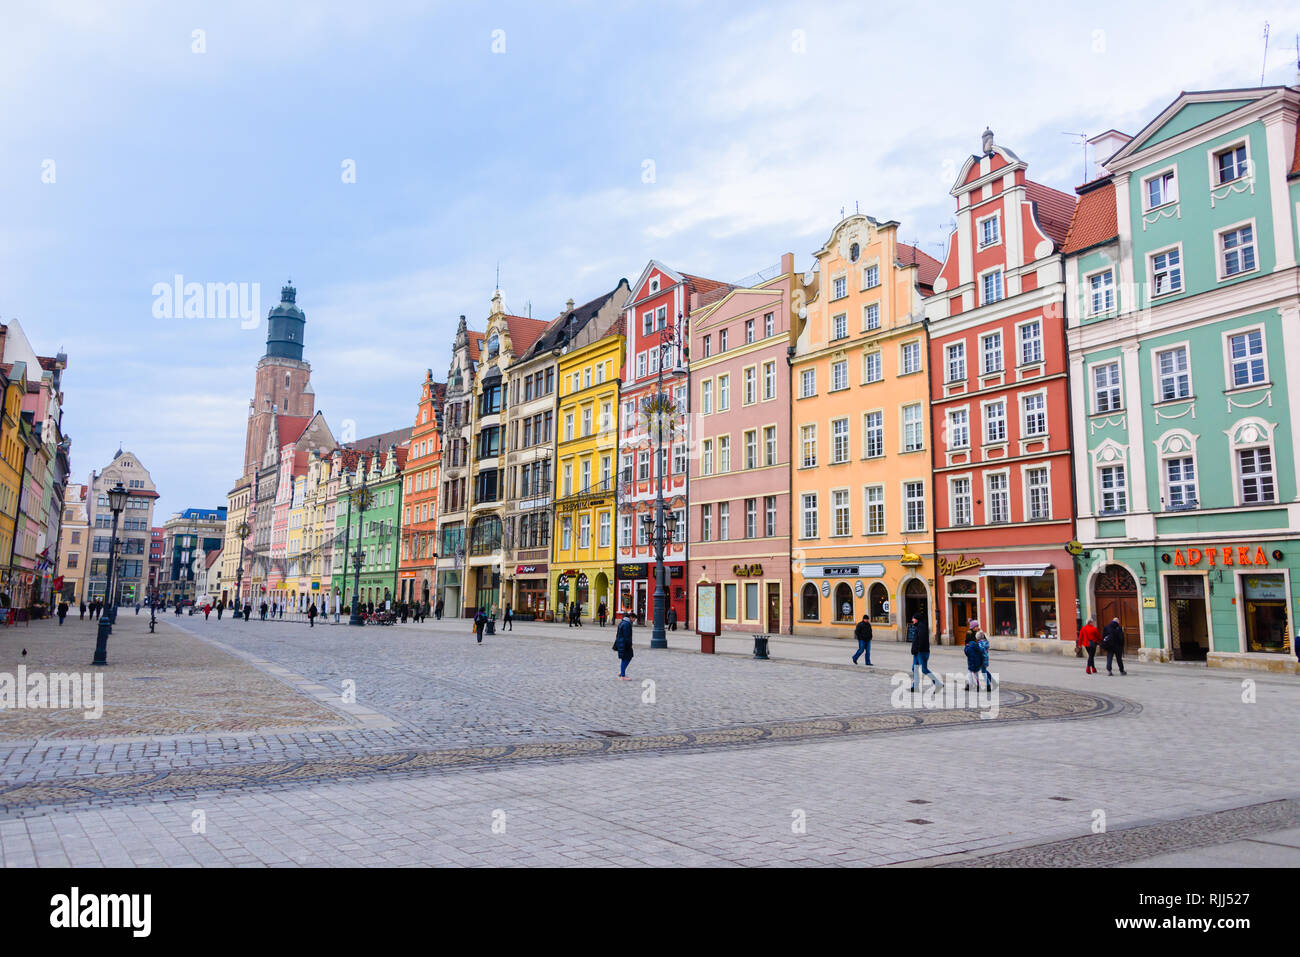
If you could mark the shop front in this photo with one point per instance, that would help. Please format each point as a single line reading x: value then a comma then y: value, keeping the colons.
x: 588, y: 585
x: 485, y: 585
x: 449, y: 590
x: 1228, y: 603
x: 636, y: 590
x: 1015, y: 595
x: 530, y: 590
x: 752, y: 593
x: 831, y: 599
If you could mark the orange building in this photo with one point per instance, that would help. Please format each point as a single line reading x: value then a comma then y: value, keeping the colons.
x: 862, y: 516
x: 419, y: 516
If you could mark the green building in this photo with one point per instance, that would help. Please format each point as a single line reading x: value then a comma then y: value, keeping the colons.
x: 366, y: 516
x: 1183, y: 301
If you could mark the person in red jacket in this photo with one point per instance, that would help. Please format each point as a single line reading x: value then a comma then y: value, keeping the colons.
x: 1089, y: 639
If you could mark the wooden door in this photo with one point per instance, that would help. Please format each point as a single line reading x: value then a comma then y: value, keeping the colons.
x: 773, y: 609
x: 1116, y: 596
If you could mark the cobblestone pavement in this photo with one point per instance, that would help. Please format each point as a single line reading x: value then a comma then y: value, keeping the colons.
x: 1175, y: 746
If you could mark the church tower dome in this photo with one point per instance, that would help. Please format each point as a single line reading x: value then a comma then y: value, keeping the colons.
x: 285, y: 326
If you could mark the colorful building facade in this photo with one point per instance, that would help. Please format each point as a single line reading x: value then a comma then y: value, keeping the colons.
x: 739, y: 526
x: 861, y: 492
x: 420, y: 487
x: 1003, y: 486
x: 1181, y: 267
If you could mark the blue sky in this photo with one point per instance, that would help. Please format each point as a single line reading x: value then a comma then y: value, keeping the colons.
x: 762, y: 121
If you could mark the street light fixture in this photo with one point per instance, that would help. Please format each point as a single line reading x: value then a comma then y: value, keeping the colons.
x: 362, y: 498
x: 117, y: 497
x: 660, y: 412
x: 242, y: 532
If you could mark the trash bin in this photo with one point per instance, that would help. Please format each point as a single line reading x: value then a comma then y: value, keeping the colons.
x: 760, y: 647
x: 491, y: 626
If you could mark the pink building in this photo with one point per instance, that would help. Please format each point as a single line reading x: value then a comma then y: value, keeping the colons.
x: 740, y: 469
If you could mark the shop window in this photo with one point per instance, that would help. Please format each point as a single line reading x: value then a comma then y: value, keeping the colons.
x: 879, y: 598
x: 1042, y: 606
x: 1002, y: 595
x: 751, y: 601
x: 843, y: 603
x: 1265, y: 613
x: 809, y: 605
x: 729, y: 601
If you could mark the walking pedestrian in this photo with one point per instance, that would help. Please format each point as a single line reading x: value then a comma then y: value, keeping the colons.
x: 248, y: 610
x: 602, y: 612
x: 863, y: 633
x: 577, y: 614
x: 1089, y: 639
x: 480, y: 622
x: 311, y: 616
x: 207, y: 609
x: 982, y: 643
x: 1112, y: 642
x: 973, y: 659
x: 918, y: 633
x: 63, y: 612
x: 262, y: 609
x: 509, y: 620
x: 623, y: 645
x: 83, y: 609
x: 437, y: 609
x: 672, y: 618
x: 137, y: 608
x: 281, y: 611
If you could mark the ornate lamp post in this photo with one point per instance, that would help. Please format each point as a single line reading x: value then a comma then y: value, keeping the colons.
x: 659, y: 413
x: 117, y: 497
x: 242, y: 532
x: 362, y: 498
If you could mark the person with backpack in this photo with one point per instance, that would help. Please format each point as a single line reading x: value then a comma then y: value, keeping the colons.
x: 918, y: 633
x: 1089, y: 639
x: 623, y: 645
x: 1112, y: 642
x: 862, y: 632
x: 973, y: 659
x: 480, y: 622
x: 982, y: 643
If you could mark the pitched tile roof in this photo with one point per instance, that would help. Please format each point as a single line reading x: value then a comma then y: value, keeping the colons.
x: 291, y: 427
x: 475, y: 345
x: 383, y: 439
x: 1094, y: 219
x: 524, y: 332
x: 1052, y: 208
x: 927, y: 267
x: 705, y: 286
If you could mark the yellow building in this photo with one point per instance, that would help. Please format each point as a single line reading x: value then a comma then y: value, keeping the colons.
x: 863, y: 515
x: 582, y: 543
x: 295, y: 580
x: 13, y: 378
x: 234, y: 552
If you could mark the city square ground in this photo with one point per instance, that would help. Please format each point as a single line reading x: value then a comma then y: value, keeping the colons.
x: 274, y: 743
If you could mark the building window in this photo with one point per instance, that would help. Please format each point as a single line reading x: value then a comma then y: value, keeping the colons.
x: 871, y: 277
x: 1230, y: 164
x: 871, y: 367
x: 750, y: 386
x: 961, y: 501
x: 874, y: 503
x: 839, y: 287
x: 1175, y: 379
x: 724, y: 393
x: 991, y: 350
x: 871, y: 316
x: 1161, y: 189
x: 584, y: 531
x: 643, y: 466
x: 914, y: 506
x: 913, y: 429
x: 911, y: 357
x: 769, y: 380
x: 724, y: 454
x: 708, y: 346
x: 1033, y: 412
x: 1237, y: 250
x: 809, y: 514
x: 749, y: 331
x: 1114, y: 498
x: 769, y: 515
x: 1246, y: 351
x: 1264, y: 611
x: 1166, y: 272
x: 809, y: 605
x: 839, y: 375
x: 1180, y: 474
x: 958, y: 429
x: 706, y: 523
x: 808, y: 445
x: 724, y: 521
x: 1031, y: 343
x: 999, y: 496
x: 807, y: 383
x: 1105, y: 387
x: 988, y: 229
x: 751, y: 518
x: 706, y: 457
x: 706, y: 397
x: 769, y: 324
x: 1038, y: 494
x: 1256, y: 469
x: 679, y: 461
x: 751, y: 450
x: 956, y: 356
x: 722, y: 340
x: 1002, y: 597
x: 839, y: 441
x: 839, y: 326
x: 992, y: 287
x: 769, y: 445
x: 874, y: 434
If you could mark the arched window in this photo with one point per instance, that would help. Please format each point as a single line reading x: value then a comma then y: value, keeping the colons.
x: 878, y: 597
x: 810, y: 610
x: 843, y: 602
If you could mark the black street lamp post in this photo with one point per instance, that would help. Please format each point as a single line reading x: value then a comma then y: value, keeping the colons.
x: 362, y: 498
x: 117, y: 497
x: 661, y: 528
x: 242, y: 532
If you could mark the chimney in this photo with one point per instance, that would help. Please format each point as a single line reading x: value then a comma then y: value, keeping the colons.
x: 568, y: 306
x: 1101, y: 148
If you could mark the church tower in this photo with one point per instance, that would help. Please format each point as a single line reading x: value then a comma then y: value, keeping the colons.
x: 282, y: 386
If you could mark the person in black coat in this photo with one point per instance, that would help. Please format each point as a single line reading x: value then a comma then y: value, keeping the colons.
x: 671, y: 618
x: 1112, y: 641
x: 863, y: 633
x: 918, y: 633
x: 623, y: 645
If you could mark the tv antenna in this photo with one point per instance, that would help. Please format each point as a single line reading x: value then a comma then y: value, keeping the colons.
x: 1083, y: 141
x: 1264, y: 66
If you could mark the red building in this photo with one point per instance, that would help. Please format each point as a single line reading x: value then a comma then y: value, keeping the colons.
x: 1003, y: 486
x: 660, y: 299
x: 157, y: 551
x: 419, y: 555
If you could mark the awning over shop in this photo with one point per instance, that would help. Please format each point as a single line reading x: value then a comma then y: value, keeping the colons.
x: 1012, y: 571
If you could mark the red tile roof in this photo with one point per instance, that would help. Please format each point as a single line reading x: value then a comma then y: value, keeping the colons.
x: 1053, y: 209
x: 475, y: 345
x: 212, y: 557
x: 524, y: 332
x: 702, y: 286
x: 291, y: 427
x: 927, y: 267
x: 1094, y: 219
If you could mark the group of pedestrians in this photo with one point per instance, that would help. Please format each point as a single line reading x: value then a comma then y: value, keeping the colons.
x: 1109, y: 640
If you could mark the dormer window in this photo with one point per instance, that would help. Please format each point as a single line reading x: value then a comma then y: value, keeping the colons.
x: 654, y: 285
